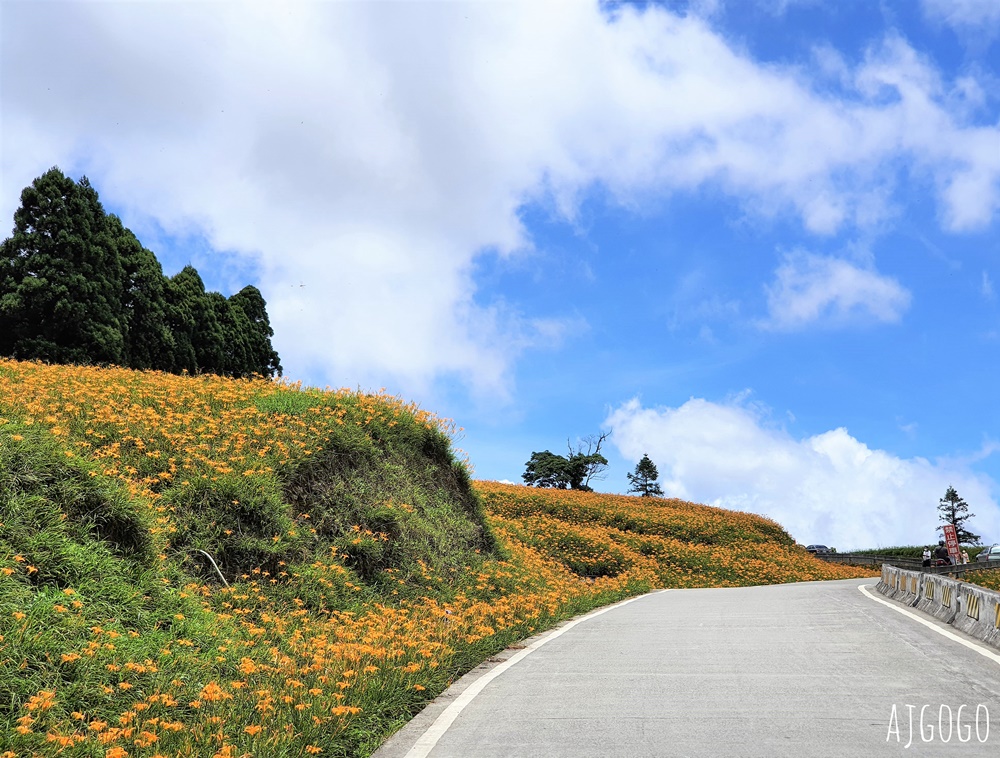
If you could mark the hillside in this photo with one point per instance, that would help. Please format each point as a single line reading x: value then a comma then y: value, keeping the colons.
x: 213, y: 567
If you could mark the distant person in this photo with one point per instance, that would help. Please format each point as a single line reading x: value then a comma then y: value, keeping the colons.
x: 926, y: 558
x: 941, y: 554
x: 965, y: 556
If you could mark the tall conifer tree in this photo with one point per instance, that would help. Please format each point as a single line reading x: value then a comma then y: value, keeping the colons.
x: 952, y: 509
x: 261, y: 356
x: 149, y: 342
x: 183, y: 292
x: 76, y: 286
x: 60, y: 290
x: 643, y: 480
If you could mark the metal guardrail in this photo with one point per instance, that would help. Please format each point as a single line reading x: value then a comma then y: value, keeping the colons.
x: 963, y: 568
x: 907, y: 563
x: 869, y: 560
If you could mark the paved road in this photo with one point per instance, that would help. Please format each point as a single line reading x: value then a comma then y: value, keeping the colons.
x: 796, y: 670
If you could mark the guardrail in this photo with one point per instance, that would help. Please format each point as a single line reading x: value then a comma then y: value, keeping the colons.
x: 907, y: 563
x: 963, y: 568
x: 973, y: 609
x: 868, y: 560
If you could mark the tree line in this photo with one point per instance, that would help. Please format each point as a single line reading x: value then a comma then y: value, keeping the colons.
x: 77, y: 286
x: 583, y: 464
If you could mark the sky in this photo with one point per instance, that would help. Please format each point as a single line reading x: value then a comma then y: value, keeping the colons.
x: 757, y: 241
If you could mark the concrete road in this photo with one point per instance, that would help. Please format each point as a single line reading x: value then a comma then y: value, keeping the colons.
x: 796, y: 670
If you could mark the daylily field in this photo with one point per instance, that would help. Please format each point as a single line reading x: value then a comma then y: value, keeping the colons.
x: 196, y: 566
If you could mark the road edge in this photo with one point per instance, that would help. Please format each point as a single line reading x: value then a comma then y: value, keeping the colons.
x: 421, y: 733
x: 966, y: 640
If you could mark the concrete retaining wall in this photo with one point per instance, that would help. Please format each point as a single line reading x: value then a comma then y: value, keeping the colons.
x: 974, y: 610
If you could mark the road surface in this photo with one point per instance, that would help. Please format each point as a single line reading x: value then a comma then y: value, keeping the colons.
x: 796, y: 670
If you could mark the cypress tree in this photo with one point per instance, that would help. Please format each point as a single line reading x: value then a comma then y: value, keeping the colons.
x: 183, y: 290
x: 261, y: 356
x: 149, y: 342
x: 200, y: 316
x: 60, y: 290
x: 236, y: 345
x: 76, y: 286
x: 210, y: 337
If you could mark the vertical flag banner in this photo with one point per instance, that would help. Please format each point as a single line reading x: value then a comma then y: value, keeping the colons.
x: 951, y: 542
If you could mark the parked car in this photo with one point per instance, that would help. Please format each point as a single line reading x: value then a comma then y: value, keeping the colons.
x: 818, y: 549
x: 991, y: 553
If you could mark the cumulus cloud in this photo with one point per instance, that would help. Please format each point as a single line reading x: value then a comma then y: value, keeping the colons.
x: 829, y: 488
x: 811, y: 288
x: 373, y: 151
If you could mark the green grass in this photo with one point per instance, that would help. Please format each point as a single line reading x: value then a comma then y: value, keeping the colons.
x: 361, y: 566
x: 75, y: 538
x: 376, y: 512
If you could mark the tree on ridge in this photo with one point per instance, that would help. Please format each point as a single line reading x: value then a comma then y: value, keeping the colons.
x: 77, y: 286
x: 952, y: 509
x: 643, y: 479
x: 575, y: 471
x: 61, y: 277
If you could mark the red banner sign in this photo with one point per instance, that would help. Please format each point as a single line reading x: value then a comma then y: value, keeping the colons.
x: 951, y: 542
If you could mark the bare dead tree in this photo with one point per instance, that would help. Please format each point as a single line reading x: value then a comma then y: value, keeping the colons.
x: 586, y: 459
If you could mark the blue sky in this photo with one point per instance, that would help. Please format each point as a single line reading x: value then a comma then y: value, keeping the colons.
x: 757, y: 240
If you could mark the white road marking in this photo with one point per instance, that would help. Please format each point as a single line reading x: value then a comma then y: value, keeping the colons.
x: 435, y: 731
x: 944, y: 632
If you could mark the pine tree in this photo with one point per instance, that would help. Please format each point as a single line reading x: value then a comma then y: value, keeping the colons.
x: 952, y: 509
x: 644, y: 479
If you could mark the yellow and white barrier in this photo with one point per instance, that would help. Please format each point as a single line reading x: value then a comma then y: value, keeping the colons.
x: 973, y: 609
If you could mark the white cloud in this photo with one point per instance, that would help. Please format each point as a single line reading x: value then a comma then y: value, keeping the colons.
x: 986, y: 287
x: 831, y: 64
x: 704, y: 8
x: 829, y: 488
x: 780, y: 7
x: 812, y: 288
x: 372, y: 151
x: 983, y: 15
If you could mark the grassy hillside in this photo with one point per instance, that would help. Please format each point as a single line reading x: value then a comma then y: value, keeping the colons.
x: 208, y: 567
x: 663, y: 542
